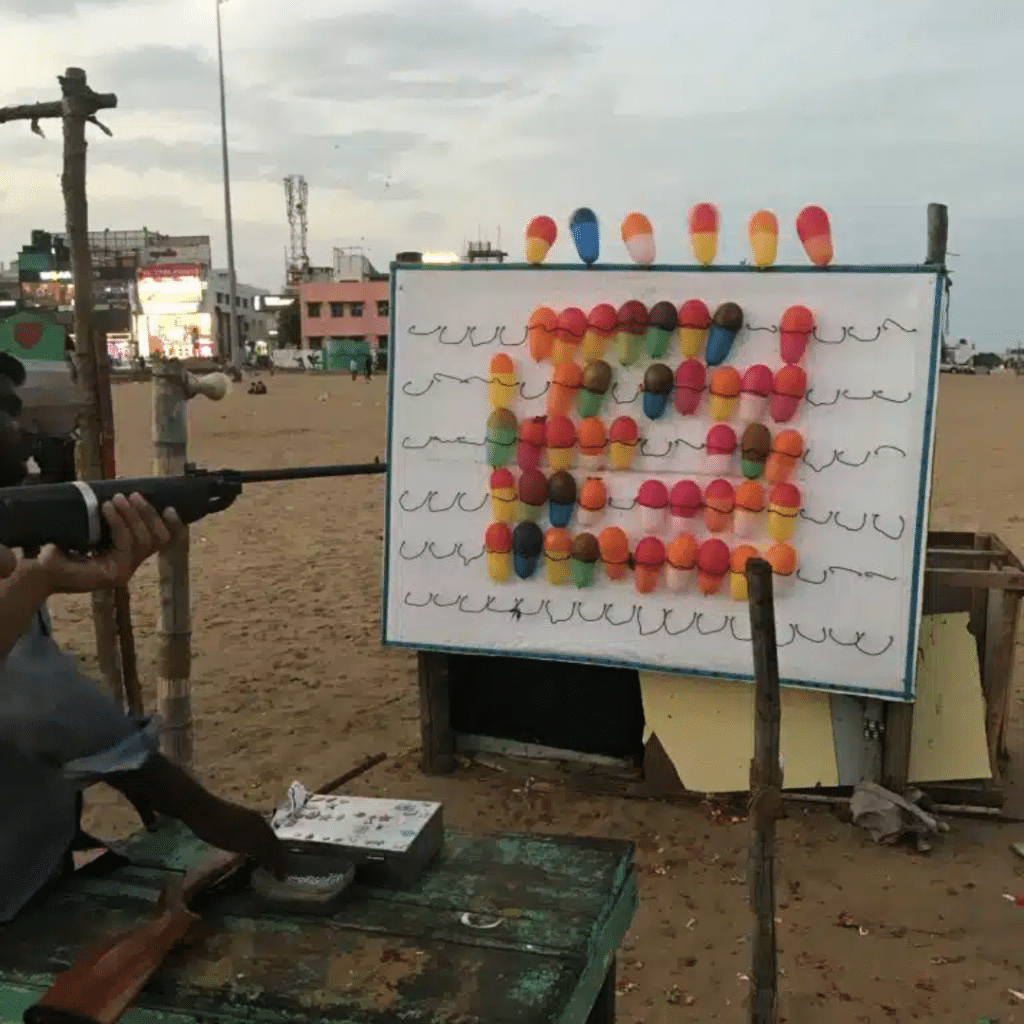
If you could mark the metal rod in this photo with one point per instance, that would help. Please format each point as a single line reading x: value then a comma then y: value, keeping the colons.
x: 257, y: 476
x: 233, y: 341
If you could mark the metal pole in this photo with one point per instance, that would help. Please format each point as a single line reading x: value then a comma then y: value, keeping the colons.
x: 235, y: 349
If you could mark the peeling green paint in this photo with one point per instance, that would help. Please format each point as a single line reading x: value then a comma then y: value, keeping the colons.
x: 561, y: 908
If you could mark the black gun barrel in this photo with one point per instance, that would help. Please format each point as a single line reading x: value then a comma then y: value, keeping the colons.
x: 262, y: 476
x: 69, y: 514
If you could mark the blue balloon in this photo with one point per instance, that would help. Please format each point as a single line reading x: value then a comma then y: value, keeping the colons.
x: 560, y: 513
x: 719, y: 344
x: 654, y: 405
x: 585, y: 234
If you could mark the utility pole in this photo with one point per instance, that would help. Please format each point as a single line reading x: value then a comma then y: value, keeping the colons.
x: 77, y: 106
x: 234, y: 343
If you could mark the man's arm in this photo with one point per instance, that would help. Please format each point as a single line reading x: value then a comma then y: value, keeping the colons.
x: 22, y: 594
x: 137, y: 532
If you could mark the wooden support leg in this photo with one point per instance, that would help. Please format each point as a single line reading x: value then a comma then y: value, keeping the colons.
x: 604, y: 1006
x: 437, y: 753
x: 899, y: 722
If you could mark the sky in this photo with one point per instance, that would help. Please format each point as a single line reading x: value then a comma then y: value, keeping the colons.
x: 421, y: 124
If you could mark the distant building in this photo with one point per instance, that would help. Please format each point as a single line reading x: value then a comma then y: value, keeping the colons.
x: 349, y: 316
x: 255, y: 322
x: 185, y: 312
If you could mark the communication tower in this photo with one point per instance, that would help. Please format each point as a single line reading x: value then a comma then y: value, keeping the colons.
x: 297, y: 195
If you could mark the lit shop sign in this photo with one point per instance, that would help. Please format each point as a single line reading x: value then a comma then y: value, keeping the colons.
x: 56, y: 275
x: 171, y: 286
x: 263, y: 302
x: 176, y: 335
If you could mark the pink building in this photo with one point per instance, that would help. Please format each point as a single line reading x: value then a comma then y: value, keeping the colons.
x: 354, y: 310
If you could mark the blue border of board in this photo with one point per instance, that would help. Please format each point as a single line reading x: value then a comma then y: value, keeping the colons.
x: 920, y: 526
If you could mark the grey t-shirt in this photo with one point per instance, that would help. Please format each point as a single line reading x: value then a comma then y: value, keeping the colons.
x: 58, y: 734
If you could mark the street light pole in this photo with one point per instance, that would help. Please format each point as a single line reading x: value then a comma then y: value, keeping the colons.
x: 235, y: 348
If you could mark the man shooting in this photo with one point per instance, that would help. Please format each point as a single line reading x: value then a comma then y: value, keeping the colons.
x: 58, y: 732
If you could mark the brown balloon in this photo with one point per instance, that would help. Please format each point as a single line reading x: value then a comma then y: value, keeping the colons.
x: 597, y: 376
x: 756, y: 442
x: 533, y: 487
x: 562, y: 488
x: 728, y: 315
x: 663, y: 315
x: 658, y: 379
x: 585, y: 548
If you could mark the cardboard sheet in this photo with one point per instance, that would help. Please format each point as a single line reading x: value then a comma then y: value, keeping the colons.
x: 948, y: 739
x: 706, y: 727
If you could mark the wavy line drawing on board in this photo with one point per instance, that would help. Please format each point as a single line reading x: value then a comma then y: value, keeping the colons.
x: 441, y: 334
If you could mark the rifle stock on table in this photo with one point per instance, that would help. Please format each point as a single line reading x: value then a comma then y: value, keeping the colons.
x: 68, y: 514
x: 104, y: 982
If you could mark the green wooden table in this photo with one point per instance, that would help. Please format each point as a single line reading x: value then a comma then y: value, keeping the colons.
x: 507, y: 929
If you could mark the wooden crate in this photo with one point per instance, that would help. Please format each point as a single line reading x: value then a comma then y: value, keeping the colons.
x: 978, y: 574
x: 964, y: 572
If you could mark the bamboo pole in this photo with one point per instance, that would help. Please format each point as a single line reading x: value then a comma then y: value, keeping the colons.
x: 78, y: 107
x: 173, y: 386
x: 122, y: 596
x: 174, y: 657
x: 765, y: 794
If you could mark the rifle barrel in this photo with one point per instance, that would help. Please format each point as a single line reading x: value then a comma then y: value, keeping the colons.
x: 256, y: 476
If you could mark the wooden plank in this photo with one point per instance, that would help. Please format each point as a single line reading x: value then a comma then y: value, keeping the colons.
x: 988, y: 579
x: 1011, y: 733
x: 998, y: 545
x: 996, y: 669
x: 437, y: 752
x: 899, y: 723
x: 952, y: 539
x: 978, y: 621
x: 982, y: 556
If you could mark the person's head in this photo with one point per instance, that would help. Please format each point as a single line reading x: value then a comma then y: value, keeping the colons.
x: 13, y: 454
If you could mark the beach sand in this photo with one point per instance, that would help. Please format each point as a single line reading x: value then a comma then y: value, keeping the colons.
x: 291, y: 682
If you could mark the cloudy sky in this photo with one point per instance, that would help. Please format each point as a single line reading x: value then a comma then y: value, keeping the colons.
x: 419, y: 123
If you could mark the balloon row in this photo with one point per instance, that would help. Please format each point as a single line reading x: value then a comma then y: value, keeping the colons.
x: 633, y: 328
x: 812, y: 228
x: 722, y: 506
x: 676, y: 565
x: 558, y: 438
x: 755, y: 393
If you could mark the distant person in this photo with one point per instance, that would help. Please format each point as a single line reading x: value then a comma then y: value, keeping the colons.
x: 354, y: 367
x: 369, y: 368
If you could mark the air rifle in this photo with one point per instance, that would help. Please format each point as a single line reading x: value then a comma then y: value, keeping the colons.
x: 68, y: 514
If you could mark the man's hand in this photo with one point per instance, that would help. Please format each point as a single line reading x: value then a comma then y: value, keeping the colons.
x: 137, y: 531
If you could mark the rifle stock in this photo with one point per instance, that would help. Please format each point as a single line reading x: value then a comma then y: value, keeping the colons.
x: 104, y: 982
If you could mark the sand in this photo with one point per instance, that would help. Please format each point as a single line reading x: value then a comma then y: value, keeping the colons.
x: 290, y: 682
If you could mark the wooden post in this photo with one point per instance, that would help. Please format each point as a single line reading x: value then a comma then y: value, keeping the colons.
x: 79, y: 104
x: 78, y: 107
x: 765, y: 794
x: 122, y: 596
x: 174, y: 658
x: 437, y: 750
x: 938, y: 234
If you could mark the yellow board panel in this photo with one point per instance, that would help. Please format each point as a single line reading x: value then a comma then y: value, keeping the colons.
x: 948, y: 737
x: 706, y: 727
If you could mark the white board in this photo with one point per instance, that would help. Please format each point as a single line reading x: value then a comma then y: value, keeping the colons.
x: 847, y: 621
